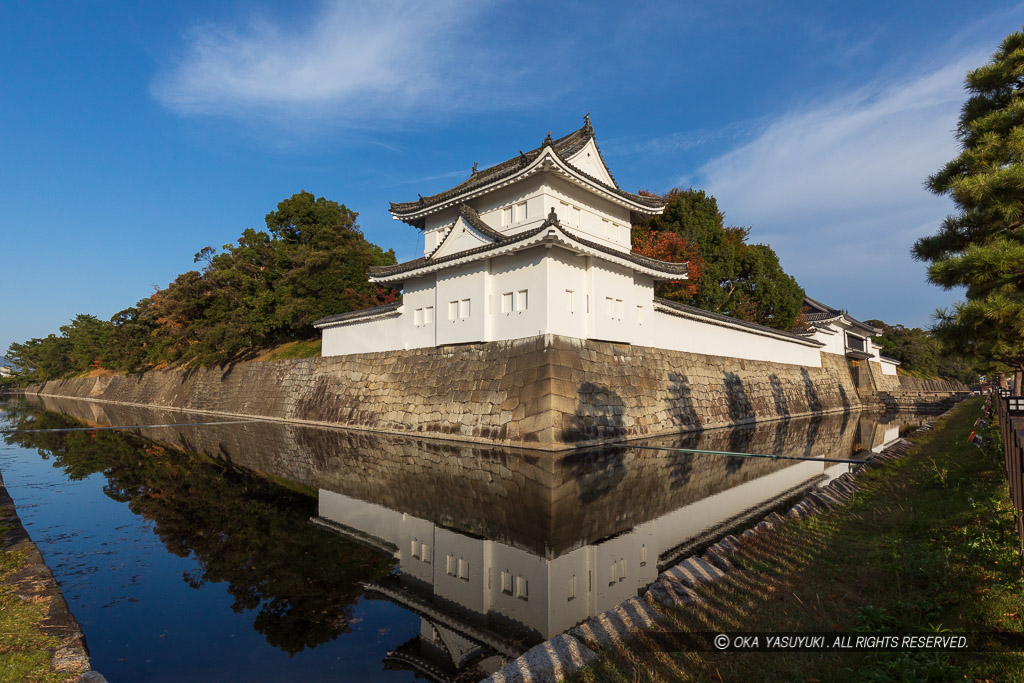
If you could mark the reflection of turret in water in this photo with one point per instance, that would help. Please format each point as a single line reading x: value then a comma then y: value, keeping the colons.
x: 498, y: 549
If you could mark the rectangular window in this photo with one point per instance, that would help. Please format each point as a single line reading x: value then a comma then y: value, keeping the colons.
x: 611, y: 306
x: 425, y: 552
x: 622, y: 569
x: 563, y: 213
x: 643, y: 555
x: 521, y: 300
x: 607, y: 228
x: 506, y: 216
x: 428, y: 315
x: 450, y: 565
x: 463, y: 569
x: 415, y: 550
x: 574, y: 216
x: 417, y: 317
x: 453, y: 310
x: 613, y: 574
x: 640, y: 314
x: 506, y: 583
x: 625, y: 234
x: 464, y: 309
x: 522, y: 588
x: 569, y: 303
x: 572, y: 588
x: 588, y: 303
x: 618, y: 309
x: 521, y: 211
x: 506, y: 302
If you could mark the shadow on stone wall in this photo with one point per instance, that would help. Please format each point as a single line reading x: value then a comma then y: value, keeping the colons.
x: 740, y: 408
x: 599, y: 412
x: 813, y: 401
x: 844, y: 398
x: 778, y: 396
x: 681, y: 409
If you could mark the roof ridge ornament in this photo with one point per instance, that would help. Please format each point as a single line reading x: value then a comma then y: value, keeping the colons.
x: 474, y: 171
x: 523, y: 159
x: 552, y: 218
x: 548, y: 142
x: 588, y: 128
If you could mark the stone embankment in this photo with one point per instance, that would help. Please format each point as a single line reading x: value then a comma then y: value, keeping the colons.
x: 545, y: 392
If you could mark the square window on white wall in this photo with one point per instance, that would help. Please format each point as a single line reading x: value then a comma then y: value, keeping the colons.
x: 569, y: 303
x: 618, y: 309
x: 428, y: 315
x: 521, y: 300
x: 453, y: 310
x: 506, y: 302
x: 506, y: 216
x: 521, y: 211
x: 417, y: 317
x: 464, y: 309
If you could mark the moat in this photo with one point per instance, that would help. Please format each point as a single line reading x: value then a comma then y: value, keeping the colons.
x: 265, y: 551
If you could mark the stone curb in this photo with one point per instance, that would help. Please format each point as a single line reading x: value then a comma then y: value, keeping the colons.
x: 563, y: 655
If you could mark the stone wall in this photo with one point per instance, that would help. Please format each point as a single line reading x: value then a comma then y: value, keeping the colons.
x: 914, y: 385
x: 545, y: 392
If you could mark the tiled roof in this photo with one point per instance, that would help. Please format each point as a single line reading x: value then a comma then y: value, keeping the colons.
x: 816, y: 312
x: 720, y: 319
x: 355, y: 315
x: 564, y: 147
x: 680, y: 269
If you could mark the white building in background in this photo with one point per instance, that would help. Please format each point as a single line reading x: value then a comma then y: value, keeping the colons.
x: 540, y: 244
x: 842, y: 334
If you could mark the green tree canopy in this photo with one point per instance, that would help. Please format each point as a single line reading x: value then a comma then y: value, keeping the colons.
x: 739, y: 279
x: 981, y: 246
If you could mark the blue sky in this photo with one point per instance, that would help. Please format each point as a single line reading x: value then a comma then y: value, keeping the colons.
x: 134, y: 134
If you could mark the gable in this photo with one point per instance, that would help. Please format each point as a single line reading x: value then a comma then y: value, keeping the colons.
x: 460, y: 237
x: 590, y: 162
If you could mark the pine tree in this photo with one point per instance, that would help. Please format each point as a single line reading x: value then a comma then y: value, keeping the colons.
x: 981, y: 247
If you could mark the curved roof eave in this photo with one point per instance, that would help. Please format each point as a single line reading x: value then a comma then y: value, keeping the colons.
x: 540, y: 164
x: 547, y: 233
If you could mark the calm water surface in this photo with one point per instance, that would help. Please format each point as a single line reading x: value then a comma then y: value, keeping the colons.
x: 275, y: 552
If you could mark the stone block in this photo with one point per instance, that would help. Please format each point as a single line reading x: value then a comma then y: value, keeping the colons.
x: 551, y: 661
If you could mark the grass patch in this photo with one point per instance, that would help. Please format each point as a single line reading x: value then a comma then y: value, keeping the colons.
x: 927, y: 544
x: 304, y: 348
x: 25, y: 651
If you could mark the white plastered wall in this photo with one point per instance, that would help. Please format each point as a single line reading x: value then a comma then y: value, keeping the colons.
x: 516, y: 302
x: 459, y: 288
x: 597, y: 219
x: 684, y: 334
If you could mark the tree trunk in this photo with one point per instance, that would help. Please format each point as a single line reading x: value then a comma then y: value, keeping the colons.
x: 1003, y: 384
x: 1018, y: 380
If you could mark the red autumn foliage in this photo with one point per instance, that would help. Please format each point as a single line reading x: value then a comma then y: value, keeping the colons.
x: 670, y: 246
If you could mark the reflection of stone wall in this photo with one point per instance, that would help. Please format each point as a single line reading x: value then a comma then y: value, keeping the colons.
x: 542, y: 503
x: 545, y: 392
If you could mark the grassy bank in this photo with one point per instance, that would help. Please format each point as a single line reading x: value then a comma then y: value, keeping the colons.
x: 927, y: 544
x: 26, y: 651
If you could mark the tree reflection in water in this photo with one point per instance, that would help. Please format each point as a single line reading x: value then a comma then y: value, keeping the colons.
x: 301, y: 581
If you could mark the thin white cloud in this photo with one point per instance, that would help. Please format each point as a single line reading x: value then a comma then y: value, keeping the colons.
x: 351, y: 62
x: 838, y: 191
